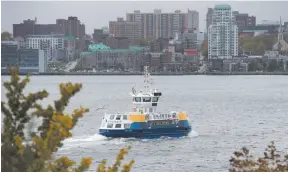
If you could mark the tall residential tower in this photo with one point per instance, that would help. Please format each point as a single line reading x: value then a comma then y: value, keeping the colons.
x: 222, y: 34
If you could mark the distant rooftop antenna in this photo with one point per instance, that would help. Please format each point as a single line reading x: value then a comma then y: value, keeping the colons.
x: 147, y: 81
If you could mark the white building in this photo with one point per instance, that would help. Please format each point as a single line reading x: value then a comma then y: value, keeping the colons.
x: 51, y: 44
x: 222, y: 34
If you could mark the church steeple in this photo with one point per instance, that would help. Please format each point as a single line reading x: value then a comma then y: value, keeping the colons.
x: 280, y: 34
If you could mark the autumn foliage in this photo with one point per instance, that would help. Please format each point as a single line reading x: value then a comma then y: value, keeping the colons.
x: 34, y: 152
x: 243, y: 161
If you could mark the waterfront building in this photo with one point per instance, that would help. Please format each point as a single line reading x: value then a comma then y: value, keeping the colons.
x: 101, y: 56
x: 28, y: 60
x: 9, y: 55
x: 222, y: 34
x: 31, y: 61
x: 51, y: 44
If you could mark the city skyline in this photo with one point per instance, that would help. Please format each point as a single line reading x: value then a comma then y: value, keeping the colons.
x: 92, y: 21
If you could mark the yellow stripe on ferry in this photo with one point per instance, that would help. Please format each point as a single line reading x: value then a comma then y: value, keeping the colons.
x: 137, y: 118
x: 182, y: 116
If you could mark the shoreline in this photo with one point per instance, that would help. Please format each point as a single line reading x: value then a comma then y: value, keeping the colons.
x: 154, y: 73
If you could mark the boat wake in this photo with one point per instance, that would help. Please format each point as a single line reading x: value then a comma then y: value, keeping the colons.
x: 192, y: 134
x: 97, y: 139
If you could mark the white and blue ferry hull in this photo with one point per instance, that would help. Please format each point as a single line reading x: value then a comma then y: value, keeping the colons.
x: 146, y: 133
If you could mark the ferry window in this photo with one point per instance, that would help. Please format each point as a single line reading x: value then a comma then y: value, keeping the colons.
x: 118, y: 126
x: 150, y: 109
x: 118, y: 117
x: 155, y: 99
x: 112, y: 117
x: 126, y: 125
x: 146, y: 99
x: 124, y: 117
x: 137, y: 99
x: 109, y: 125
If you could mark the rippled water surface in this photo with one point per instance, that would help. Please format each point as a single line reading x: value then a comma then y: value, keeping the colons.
x: 228, y: 112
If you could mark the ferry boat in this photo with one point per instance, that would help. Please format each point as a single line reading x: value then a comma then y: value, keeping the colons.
x: 144, y: 121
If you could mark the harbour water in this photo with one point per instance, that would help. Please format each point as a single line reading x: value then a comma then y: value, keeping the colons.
x: 227, y: 112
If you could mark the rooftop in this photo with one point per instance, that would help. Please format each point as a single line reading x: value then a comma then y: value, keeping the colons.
x: 222, y: 7
x: 69, y: 38
x: 98, y: 47
x: 103, y: 48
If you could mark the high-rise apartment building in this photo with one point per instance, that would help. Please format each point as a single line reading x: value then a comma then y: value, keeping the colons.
x: 71, y: 27
x: 164, y: 25
x: 222, y: 34
x: 209, y: 18
x: 121, y: 28
x: 193, y: 20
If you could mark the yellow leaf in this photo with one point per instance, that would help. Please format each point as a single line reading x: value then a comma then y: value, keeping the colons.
x: 86, y: 162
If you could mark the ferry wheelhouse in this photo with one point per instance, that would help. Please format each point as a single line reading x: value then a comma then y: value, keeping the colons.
x: 144, y: 121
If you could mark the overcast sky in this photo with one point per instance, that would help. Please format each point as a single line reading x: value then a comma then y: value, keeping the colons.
x: 98, y: 14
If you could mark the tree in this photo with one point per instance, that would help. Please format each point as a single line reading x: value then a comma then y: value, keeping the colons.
x: 242, y: 161
x: 272, y: 65
x: 261, y: 47
x: 250, y: 46
x: 6, y: 36
x: 258, y: 44
x: 204, y: 49
x: 253, y: 65
x: 242, y: 39
x: 36, y: 154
